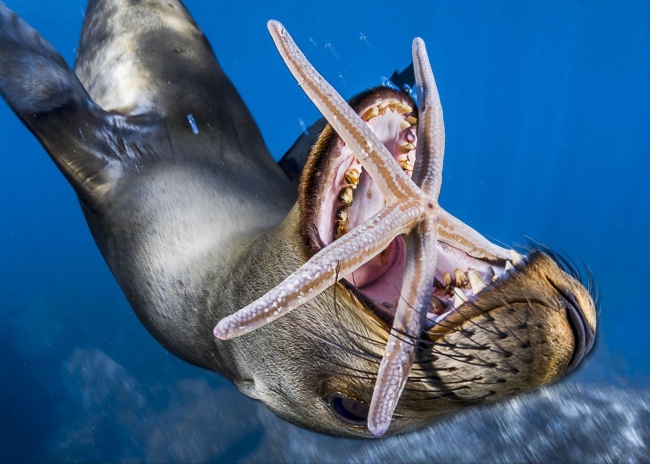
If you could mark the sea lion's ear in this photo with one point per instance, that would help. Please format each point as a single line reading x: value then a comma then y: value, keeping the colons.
x: 47, y: 96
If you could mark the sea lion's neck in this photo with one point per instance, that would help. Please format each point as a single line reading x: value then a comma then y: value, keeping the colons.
x: 261, y: 262
x: 176, y: 238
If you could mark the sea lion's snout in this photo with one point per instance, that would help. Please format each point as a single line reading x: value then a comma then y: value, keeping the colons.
x: 520, y: 333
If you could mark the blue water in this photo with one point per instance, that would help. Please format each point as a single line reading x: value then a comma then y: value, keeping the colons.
x: 547, y: 111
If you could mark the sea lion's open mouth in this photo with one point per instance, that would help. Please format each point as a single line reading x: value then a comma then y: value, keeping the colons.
x: 337, y: 195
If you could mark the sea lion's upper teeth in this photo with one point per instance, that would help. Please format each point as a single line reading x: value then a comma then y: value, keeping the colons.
x: 461, y: 278
x: 447, y: 280
x: 476, y: 281
x: 412, y: 120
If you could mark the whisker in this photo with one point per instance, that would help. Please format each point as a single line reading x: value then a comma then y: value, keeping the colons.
x: 361, y: 354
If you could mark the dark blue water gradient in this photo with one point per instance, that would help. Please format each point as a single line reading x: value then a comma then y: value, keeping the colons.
x: 547, y: 109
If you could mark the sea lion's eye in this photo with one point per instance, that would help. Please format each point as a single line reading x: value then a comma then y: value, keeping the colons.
x: 349, y: 410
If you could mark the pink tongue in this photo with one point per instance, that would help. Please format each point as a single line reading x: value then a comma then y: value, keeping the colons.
x: 381, y: 277
x: 376, y: 277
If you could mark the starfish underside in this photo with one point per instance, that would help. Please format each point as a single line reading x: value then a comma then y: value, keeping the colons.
x: 411, y: 209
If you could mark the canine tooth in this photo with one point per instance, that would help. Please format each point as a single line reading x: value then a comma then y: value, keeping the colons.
x: 412, y: 120
x: 447, y: 280
x: 476, y: 281
x: 516, y: 258
x: 461, y: 278
x: 406, y: 147
x: 371, y: 113
x: 509, y: 266
x: 459, y: 297
x: 404, y: 124
x: 404, y: 108
x: 347, y: 196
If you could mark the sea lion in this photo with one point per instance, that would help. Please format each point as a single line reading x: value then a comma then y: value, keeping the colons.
x: 403, y: 314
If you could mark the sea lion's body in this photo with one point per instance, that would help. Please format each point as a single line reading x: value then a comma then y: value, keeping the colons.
x: 195, y: 220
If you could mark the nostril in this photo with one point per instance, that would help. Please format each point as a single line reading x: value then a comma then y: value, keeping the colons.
x: 583, y: 334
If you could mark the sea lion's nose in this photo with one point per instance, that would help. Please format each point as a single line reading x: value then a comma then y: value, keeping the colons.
x: 583, y: 333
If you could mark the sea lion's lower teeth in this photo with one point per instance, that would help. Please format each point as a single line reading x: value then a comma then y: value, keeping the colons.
x: 439, y: 306
x: 393, y: 105
x: 459, y: 297
x: 516, y: 258
x: 475, y: 281
x: 371, y: 113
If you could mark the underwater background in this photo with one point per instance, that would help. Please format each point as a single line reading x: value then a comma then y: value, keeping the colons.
x: 547, y: 112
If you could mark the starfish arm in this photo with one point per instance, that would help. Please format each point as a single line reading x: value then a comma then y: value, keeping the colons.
x: 338, y: 259
x: 411, y: 312
x: 455, y: 232
x: 427, y: 173
x: 373, y: 155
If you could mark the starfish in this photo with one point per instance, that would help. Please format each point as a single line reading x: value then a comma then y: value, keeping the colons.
x: 411, y: 209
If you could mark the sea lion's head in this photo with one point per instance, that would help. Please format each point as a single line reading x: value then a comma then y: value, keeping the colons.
x: 426, y: 316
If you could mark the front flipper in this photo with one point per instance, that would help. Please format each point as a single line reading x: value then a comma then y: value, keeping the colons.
x: 84, y: 141
x: 149, y: 55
